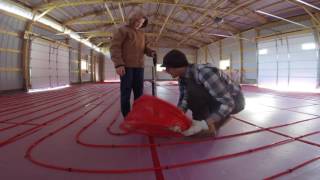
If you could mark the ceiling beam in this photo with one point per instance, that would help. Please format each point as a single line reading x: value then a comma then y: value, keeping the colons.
x: 256, y: 16
x: 166, y: 20
x: 306, y: 9
x: 110, y: 13
x: 121, y: 13
x: 211, y: 23
x: 95, y: 13
x: 94, y: 22
x: 62, y: 3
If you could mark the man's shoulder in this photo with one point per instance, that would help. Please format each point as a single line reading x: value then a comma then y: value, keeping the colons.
x: 128, y: 29
x: 123, y: 28
x: 206, y: 67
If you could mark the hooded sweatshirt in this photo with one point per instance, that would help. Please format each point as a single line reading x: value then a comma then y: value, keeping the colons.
x: 129, y: 45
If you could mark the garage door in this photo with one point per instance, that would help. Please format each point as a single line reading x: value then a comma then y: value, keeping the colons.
x: 49, y: 64
x: 288, y: 62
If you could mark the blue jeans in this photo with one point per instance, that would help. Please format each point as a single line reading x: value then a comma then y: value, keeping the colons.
x: 132, y: 80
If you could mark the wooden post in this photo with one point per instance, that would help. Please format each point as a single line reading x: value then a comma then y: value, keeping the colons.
x: 26, y: 56
x: 241, y: 58
x: 79, y: 62
x: 92, y: 65
x: 101, y: 67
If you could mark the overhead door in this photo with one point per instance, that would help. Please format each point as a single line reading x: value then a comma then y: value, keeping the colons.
x: 49, y: 64
x: 288, y: 62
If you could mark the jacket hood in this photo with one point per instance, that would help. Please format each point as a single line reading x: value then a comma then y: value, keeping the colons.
x: 136, y: 16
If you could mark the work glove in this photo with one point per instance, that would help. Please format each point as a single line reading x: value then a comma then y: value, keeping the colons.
x: 196, y: 127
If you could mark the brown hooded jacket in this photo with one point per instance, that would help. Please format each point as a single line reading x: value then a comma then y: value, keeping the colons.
x: 129, y: 45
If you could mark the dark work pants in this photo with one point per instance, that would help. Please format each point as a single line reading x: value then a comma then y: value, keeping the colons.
x: 132, y: 80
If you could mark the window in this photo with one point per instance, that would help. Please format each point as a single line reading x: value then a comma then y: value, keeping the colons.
x: 263, y: 51
x: 159, y: 68
x: 308, y: 46
x: 84, y: 65
x: 224, y: 64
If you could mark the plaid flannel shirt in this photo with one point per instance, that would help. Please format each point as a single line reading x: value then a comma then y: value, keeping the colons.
x: 219, y: 85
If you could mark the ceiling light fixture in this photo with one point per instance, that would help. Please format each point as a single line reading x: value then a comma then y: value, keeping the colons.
x: 228, y: 36
x: 308, y: 4
x: 218, y: 20
x: 278, y: 17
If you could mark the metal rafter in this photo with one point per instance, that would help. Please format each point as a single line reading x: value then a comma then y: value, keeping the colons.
x: 165, y: 22
x: 121, y: 12
x: 193, y: 20
x: 208, y: 11
x: 61, y: 3
x: 110, y: 13
x: 225, y: 25
x: 89, y: 14
x: 246, y: 3
x: 183, y: 35
x: 95, y: 22
x: 306, y: 9
x: 257, y: 16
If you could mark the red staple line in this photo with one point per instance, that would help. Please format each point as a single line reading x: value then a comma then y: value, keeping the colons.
x: 29, y: 151
x: 292, y: 169
x: 144, y: 169
x: 294, y: 138
x: 18, y: 96
x: 38, y: 110
x: 34, y: 104
x: 40, y: 116
x: 15, y: 138
x: 48, y: 95
x: 31, y: 124
x: 37, y: 98
x: 175, y: 143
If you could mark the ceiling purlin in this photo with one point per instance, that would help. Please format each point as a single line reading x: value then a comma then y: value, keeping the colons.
x: 89, y: 14
x: 307, y: 10
x: 61, y: 3
x: 256, y: 16
x: 248, y: 2
x: 194, y: 22
x: 179, y: 34
x: 167, y: 18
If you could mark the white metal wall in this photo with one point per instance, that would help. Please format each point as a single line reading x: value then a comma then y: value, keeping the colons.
x: 74, y: 61
x: 231, y: 50
x: 286, y: 63
x: 109, y: 70
x: 49, y: 64
x: 10, y: 52
x: 86, y: 55
x: 110, y: 74
x: 250, y: 70
x: 213, y: 55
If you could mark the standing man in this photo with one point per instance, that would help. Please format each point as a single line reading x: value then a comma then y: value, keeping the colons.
x: 127, y: 50
x: 207, y: 91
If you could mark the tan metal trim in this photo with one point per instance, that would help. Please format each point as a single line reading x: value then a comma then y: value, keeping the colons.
x: 11, y: 33
x: 2, y: 69
x: 10, y: 50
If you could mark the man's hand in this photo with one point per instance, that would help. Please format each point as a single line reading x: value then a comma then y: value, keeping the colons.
x: 121, y: 70
x: 196, y: 127
x: 181, y: 109
x: 210, y: 132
